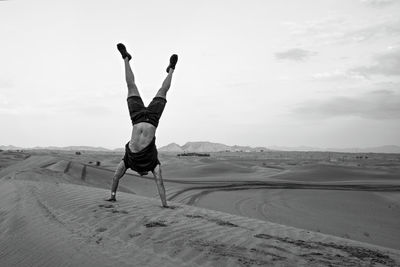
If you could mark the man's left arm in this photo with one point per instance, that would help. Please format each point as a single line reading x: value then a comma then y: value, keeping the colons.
x: 160, y: 185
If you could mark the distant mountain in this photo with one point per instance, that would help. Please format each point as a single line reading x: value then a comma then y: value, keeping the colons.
x: 200, y: 147
x: 248, y: 148
x: 296, y: 148
x: 67, y: 148
x: 10, y: 148
x: 73, y: 148
x: 381, y: 149
x: 386, y: 149
x: 173, y: 147
x: 204, y: 147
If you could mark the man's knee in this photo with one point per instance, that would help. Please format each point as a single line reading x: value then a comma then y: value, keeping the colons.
x: 162, y: 93
x: 162, y: 96
x: 133, y: 92
x: 131, y: 86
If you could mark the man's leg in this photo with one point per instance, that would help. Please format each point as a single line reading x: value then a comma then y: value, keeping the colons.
x: 119, y: 172
x: 130, y: 80
x: 162, y: 92
x: 129, y: 77
x: 160, y: 185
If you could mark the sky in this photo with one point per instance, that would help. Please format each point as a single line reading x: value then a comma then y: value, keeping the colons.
x: 260, y: 73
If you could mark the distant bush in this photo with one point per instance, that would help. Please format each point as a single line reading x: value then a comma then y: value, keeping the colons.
x: 77, y: 153
x: 193, y: 154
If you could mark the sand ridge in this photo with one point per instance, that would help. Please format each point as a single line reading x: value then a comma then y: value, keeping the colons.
x: 50, y: 218
x: 341, y: 199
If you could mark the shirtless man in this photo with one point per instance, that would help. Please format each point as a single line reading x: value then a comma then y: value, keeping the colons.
x: 141, y: 152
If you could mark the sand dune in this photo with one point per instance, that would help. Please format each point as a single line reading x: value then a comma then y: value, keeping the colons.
x: 360, y: 203
x: 53, y: 214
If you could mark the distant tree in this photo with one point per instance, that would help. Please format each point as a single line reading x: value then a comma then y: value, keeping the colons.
x: 194, y: 154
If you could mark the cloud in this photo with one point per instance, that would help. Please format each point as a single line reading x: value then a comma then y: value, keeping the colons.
x: 386, y: 64
x: 378, y: 29
x: 296, y: 54
x: 378, y: 3
x: 377, y: 105
x: 344, y: 30
x: 6, y: 84
x: 336, y: 75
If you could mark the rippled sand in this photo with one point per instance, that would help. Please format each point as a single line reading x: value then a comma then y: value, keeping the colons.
x: 52, y: 213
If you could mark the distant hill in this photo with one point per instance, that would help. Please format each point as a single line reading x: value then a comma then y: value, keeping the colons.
x: 296, y: 148
x: 73, y: 148
x: 10, y: 148
x: 204, y: 147
x: 173, y: 147
x: 200, y: 147
x: 67, y: 148
x: 380, y: 149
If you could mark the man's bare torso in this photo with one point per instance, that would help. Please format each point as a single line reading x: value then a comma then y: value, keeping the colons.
x: 142, y: 134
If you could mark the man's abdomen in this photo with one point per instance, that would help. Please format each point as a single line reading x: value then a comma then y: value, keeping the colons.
x: 142, y: 135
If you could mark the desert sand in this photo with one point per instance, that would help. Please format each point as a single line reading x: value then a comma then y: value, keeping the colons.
x: 261, y: 210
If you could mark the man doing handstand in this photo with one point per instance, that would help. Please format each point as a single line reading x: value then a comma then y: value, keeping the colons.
x: 140, y: 152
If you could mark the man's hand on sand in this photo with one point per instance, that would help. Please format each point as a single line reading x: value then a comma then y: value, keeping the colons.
x: 111, y: 199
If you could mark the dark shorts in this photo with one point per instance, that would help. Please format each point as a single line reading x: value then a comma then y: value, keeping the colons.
x: 143, y: 161
x: 151, y: 113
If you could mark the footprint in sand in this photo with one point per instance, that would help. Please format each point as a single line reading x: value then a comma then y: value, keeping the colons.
x: 107, y: 206
x: 194, y: 216
x: 224, y: 223
x: 101, y: 229
x: 134, y: 235
x: 172, y: 207
x: 119, y: 211
x: 215, y: 220
x: 155, y: 224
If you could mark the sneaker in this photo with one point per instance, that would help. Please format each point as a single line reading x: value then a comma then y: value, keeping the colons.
x: 122, y: 50
x: 172, y: 62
